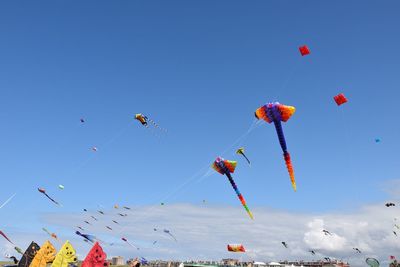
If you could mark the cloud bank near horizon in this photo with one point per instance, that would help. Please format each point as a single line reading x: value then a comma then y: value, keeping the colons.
x: 203, y: 231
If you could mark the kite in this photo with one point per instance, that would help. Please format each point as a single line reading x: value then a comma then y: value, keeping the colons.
x: 94, y: 149
x: 372, y: 262
x: 90, y: 238
x: 154, y: 242
x: 135, y: 263
x: 82, y: 120
x: 144, y: 121
x: 227, y: 167
x: 122, y: 215
x: 169, y: 233
x: 66, y: 256
x: 43, y: 191
x: 394, y: 232
x: 108, y: 227
x: 143, y: 261
x: 326, y: 232
x: 129, y: 243
x: 312, y: 252
x: 4, y: 235
x: 276, y: 113
x: 85, y: 210
x: 340, y: 99
x: 101, y: 212
x: 398, y: 227
x: 141, y: 118
x: 115, y: 222
x: 390, y: 204
x: 53, y: 235
x: 357, y: 250
x: 12, y: 258
x: 88, y: 222
x: 240, y: 151
x: 94, y: 218
x: 96, y: 257
x: 377, y: 140
x: 162, y: 204
x: 236, y: 248
x: 80, y: 228
x: 284, y: 244
x: 17, y: 249
x: 116, y: 206
x: 60, y: 186
x: 46, y: 254
x: 304, y: 50
x: 127, y: 208
x: 28, y: 255
x: 8, y: 200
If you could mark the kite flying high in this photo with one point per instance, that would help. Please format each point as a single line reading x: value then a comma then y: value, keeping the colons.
x: 276, y: 113
x: 227, y: 167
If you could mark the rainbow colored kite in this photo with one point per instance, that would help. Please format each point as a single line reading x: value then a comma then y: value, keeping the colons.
x: 276, y: 113
x: 227, y: 167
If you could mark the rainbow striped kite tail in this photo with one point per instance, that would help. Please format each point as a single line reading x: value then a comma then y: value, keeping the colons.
x: 248, y: 212
x: 289, y: 167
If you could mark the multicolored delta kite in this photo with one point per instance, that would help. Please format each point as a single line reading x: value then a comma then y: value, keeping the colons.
x: 65, y: 256
x: 28, y: 255
x: 276, y: 113
x: 240, y: 151
x: 96, y: 257
x: 227, y: 167
x: 46, y: 254
x: 236, y: 248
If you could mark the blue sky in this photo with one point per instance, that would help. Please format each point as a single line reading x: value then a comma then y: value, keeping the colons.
x: 200, y: 69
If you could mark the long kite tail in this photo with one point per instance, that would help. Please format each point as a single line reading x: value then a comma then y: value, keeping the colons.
x: 286, y: 155
x: 281, y: 136
x: 173, y: 237
x: 248, y: 161
x: 4, y: 235
x: 51, y: 198
x: 289, y: 167
x: 241, y: 198
x: 156, y: 125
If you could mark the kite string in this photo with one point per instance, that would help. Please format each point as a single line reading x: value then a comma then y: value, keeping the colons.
x: 89, y: 158
x: 286, y: 81
x: 255, y: 123
x: 8, y: 200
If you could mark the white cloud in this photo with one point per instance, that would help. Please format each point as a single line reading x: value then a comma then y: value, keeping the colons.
x: 317, y: 240
x: 204, y: 231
